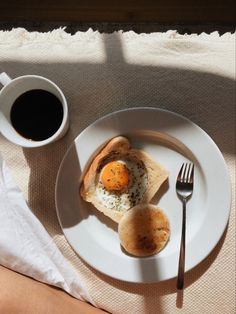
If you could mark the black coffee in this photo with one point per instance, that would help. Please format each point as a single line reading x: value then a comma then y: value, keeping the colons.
x: 37, y: 114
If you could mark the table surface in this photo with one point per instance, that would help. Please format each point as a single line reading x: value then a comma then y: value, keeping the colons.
x: 101, y: 73
x: 168, y: 11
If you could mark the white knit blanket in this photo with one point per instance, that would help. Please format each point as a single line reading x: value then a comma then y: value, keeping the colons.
x: 193, y: 75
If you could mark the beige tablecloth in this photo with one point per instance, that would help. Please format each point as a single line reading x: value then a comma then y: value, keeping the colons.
x: 100, y: 73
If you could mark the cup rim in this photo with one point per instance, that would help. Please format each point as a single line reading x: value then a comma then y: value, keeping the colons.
x: 56, y: 135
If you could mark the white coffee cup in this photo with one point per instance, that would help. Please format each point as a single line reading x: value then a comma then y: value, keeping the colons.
x: 12, y: 89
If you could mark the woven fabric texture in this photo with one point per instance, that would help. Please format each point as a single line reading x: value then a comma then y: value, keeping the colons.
x: 193, y: 75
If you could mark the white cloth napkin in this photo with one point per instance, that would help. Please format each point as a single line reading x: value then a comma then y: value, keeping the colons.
x: 26, y: 246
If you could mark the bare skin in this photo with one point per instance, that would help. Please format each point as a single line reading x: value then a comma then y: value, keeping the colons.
x: 22, y: 295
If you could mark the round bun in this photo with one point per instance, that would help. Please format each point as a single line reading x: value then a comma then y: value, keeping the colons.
x: 144, y: 230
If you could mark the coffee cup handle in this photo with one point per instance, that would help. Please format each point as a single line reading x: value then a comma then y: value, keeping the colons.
x: 4, y: 78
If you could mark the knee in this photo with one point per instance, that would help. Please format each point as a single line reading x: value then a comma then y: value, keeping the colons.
x: 5, y: 301
x: 6, y: 291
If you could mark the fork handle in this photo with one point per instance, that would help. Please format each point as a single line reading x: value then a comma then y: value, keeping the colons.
x: 180, y: 278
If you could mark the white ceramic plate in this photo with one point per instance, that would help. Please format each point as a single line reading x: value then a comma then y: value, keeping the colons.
x: 170, y: 139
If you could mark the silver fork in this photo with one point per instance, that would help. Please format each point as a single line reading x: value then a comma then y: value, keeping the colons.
x: 184, y: 189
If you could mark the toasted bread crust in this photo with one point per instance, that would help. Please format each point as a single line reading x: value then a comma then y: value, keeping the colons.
x: 157, y: 174
x: 119, y: 144
x: 144, y: 230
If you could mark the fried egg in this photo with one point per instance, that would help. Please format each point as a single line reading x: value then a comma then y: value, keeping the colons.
x: 121, y: 183
x: 120, y: 177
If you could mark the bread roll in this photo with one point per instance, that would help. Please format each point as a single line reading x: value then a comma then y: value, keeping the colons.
x: 144, y: 230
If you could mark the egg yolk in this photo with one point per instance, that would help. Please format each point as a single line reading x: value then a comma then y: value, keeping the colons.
x: 115, y: 175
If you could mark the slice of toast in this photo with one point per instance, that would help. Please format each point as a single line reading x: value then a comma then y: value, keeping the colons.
x: 120, y: 145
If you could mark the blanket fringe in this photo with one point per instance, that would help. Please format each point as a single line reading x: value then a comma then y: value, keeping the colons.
x: 60, y: 34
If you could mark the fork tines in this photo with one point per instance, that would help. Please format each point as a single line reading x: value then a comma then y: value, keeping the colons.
x: 186, y: 173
